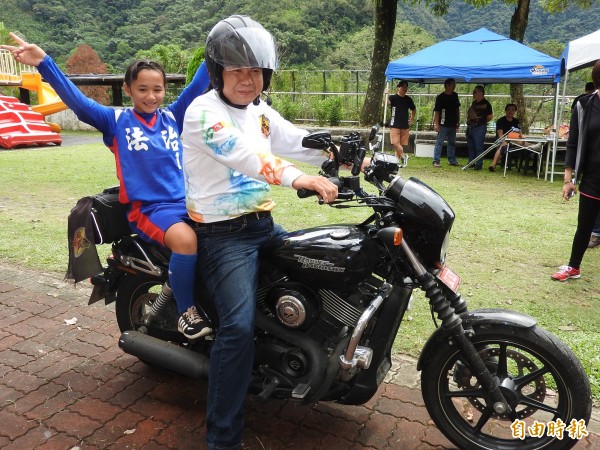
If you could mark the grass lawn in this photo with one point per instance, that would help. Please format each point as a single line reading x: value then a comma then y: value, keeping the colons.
x: 509, y: 236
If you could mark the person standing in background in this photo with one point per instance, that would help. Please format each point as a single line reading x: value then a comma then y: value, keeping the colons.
x: 446, y: 118
x: 478, y: 116
x: 583, y: 158
x: 588, y: 89
x: 400, y: 121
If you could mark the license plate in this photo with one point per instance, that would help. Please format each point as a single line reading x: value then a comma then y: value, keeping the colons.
x: 449, y: 278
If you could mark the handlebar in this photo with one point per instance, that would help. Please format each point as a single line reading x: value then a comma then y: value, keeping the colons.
x: 352, y: 151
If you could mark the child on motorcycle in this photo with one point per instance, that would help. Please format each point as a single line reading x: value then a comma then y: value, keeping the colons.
x: 230, y: 133
x: 147, y: 148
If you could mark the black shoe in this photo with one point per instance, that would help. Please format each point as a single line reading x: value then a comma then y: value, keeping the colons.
x: 191, y: 324
x: 477, y: 168
x: 594, y: 241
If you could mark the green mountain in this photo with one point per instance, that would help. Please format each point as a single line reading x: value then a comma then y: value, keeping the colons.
x: 308, y: 32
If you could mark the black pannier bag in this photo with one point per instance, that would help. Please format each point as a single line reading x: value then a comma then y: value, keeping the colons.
x: 109, y: 216
x: 96, y: 219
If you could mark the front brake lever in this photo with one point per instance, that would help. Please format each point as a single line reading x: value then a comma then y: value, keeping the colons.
x: 343, y: 196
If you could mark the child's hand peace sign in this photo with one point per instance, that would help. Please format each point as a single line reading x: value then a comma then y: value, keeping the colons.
x: 25, y: 53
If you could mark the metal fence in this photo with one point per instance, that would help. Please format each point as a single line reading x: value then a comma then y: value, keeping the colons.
x: 304, y: 96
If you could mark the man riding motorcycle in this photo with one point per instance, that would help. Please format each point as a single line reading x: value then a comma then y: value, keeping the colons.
x: 229, y: 135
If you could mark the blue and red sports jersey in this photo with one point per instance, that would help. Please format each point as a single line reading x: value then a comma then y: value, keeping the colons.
x: 148, y: 155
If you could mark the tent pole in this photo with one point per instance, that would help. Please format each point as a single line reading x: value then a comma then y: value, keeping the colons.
x: 417, y: 124
x: 564, y: 93
x: 557, y: 125
x: 384, y: 114
x: 554, y: 134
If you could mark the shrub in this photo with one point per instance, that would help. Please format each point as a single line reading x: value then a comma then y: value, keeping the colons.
x: 289, y: 109
x: 329, y: 111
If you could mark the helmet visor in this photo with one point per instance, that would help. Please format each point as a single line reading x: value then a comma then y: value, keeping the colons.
x: 244, y: 48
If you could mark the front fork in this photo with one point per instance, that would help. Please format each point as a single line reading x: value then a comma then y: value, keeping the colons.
x: 446, y: 310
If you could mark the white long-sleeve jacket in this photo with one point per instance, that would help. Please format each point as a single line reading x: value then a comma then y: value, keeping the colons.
x: 229, y: 159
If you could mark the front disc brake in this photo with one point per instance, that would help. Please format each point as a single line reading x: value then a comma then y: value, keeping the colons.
x: 518, y: 365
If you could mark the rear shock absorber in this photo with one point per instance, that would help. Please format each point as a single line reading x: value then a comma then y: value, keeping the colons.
x: 166, y: 295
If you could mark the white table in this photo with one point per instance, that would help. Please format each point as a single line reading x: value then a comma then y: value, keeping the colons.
x: 527, y: 143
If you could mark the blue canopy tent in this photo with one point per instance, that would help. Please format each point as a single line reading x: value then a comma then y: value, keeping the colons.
x: 478, y: 57
x: 481, y: 57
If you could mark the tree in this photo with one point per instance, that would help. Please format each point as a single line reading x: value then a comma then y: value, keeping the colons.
x: 4, y: 37
x: 85, y: 60
x: 170, y: 56
x: 193, y: 65
x: 355, y: 52
x: 385, y: 24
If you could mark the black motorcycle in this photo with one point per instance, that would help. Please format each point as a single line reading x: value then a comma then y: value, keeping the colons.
x: 330, y: 303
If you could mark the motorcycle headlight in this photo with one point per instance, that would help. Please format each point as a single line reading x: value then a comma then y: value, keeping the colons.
x: 423, y: 215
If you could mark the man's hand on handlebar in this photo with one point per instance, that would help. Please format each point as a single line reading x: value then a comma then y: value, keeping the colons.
x: 321, y: 185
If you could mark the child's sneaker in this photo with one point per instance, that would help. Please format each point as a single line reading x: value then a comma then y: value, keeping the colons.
x: 566, y: 272
x: 191, y: 324
x: 404, y: 161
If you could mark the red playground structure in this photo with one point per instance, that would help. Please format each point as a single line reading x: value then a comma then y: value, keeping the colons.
x: 22, y: 125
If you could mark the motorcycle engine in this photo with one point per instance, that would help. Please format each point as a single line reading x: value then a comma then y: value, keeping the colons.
x: 294, y: 305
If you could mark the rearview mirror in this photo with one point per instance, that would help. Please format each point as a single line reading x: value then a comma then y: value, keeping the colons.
x: 374, y: 130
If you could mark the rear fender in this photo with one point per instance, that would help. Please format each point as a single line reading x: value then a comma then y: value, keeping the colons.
x: 477, y: 319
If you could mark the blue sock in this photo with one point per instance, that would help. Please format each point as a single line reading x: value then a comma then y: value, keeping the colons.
x: 182, y: 275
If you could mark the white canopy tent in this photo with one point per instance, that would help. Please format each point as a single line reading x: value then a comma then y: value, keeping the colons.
x: 582, y: 52
x: 579, y: 54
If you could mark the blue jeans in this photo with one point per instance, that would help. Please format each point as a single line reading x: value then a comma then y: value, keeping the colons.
x: 475, y: 138
x: 228, y: 263
x: 445, y: 133
x: 596, y: 230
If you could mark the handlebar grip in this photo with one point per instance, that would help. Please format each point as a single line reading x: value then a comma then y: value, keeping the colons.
x: 304, y: 193
x: 360, y: 156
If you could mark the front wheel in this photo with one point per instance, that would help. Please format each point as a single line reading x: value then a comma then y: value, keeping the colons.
x: 540, y: 377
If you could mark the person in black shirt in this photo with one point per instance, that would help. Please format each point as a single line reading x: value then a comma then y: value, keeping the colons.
x: 446, y: 119
x: 400, y: 121
x: 583, y: 158
x: 503, y: 126
x: 595, y: 237
x: 479, y: 114
x: 589, y: 89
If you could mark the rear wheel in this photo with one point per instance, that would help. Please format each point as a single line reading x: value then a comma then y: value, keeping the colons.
x: 135, y: 296
x: 542, y: 380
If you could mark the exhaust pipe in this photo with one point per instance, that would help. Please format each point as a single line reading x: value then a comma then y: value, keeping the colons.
x: 164, y: 354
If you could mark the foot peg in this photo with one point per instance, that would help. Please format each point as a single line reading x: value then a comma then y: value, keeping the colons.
x: 301, y: 391
x: 268, y: 391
